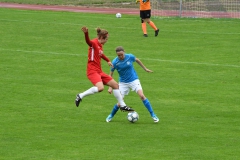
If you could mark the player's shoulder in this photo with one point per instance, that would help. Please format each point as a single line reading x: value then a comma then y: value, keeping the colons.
x: 95, y: 40
x: 130, y: 55
x: 115, y: 60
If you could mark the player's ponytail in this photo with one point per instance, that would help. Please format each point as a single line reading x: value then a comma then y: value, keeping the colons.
x: 102, y: 33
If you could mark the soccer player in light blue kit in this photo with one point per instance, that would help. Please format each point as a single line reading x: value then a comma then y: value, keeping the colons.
x: 128, y: 80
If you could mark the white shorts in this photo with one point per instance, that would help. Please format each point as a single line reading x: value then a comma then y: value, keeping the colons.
x: 126, y: 87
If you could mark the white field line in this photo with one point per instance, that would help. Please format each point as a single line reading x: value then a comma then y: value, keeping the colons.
x: 198, y: 63
x: 131, y: 28
x: 148, y: 59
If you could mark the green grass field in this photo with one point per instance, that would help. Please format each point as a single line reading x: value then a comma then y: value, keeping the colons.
x: 194, y: 90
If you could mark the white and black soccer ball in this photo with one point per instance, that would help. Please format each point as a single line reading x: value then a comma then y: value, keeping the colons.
x: 132, y: 117
x: 118, y: 15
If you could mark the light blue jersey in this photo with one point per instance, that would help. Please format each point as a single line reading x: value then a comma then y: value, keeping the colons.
x: 125, y: 68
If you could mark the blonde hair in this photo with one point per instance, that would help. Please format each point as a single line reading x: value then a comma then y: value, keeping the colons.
x: 102, y: 33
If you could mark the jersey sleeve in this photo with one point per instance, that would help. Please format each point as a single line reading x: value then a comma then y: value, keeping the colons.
x: 88, y: 41
x: 132, y: 57
x: 105, y: 58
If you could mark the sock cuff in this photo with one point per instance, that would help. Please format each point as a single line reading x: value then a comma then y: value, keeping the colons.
x: 145, y: 100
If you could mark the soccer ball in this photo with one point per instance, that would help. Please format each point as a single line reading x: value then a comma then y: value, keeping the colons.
x: 132, y: 117
x: 118, y: 15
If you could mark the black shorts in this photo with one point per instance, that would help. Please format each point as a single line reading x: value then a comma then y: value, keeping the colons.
x: 145, y: 14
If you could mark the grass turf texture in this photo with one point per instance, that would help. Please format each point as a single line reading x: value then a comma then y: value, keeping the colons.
x: 194, y: 88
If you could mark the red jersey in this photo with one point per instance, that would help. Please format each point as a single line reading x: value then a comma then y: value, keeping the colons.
x: 95, y: 53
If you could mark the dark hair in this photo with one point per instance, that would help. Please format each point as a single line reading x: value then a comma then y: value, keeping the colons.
x: 102, y: 33
x: 119, y: 49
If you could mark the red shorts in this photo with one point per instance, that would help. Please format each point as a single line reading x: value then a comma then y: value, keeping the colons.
x: 99, y: 77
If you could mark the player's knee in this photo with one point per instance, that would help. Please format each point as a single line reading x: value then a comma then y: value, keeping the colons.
x: 100, y: 89
x: 147, y: 20
x: 142, y: 97
x: 115, y: 86
x: 142, y: 21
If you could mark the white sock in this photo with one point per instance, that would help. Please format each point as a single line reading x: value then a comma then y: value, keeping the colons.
x: 88, y: 92
x: 118, y: 95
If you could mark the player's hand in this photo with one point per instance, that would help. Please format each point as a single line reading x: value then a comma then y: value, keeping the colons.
x: 110, y: 64
x: 148, y: 70
x: 84, y: 29
x: 110, y: 90
x: 137, y: 1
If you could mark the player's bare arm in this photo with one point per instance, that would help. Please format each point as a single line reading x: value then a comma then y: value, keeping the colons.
x: 142, y: 65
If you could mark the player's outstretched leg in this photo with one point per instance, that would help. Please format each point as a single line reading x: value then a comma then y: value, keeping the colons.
x: 147, y: 104
x: 123, y: 106
x: 88, y: 92
x: 111, y: 115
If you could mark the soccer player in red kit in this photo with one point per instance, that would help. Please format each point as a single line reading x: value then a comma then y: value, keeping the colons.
x: 94, y: 70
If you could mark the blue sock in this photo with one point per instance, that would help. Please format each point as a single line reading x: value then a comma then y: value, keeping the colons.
x: 147, y: 104
x: 114, y: 110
